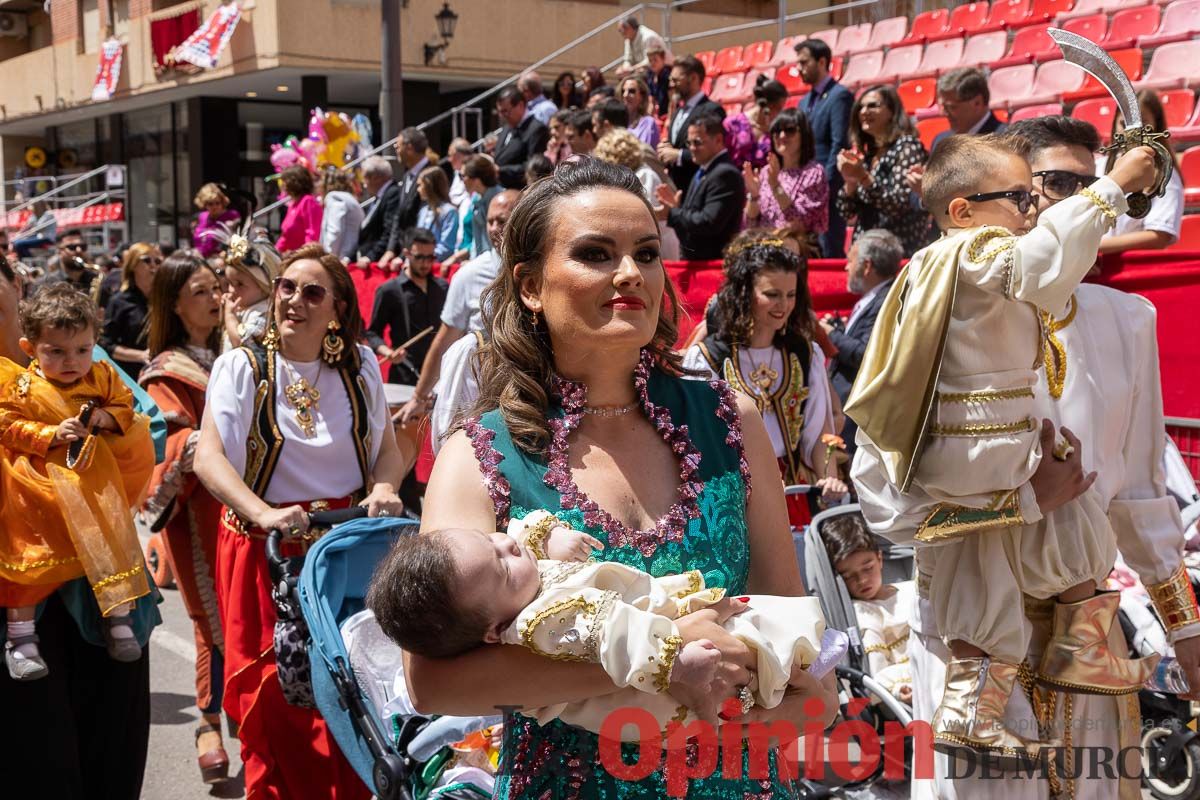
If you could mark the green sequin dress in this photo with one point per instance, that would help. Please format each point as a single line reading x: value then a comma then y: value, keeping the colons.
x: 705, y: 530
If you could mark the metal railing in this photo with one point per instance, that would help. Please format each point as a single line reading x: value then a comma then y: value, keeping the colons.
x: 86, y: 176
x: 781, y: 21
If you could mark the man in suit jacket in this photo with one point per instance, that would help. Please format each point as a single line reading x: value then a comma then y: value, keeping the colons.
x: 709, y: 215
x: 376, y: 229
x: 827, y: 106
x: 522, y: 138
x: 689, y: 103
x: 871, y: 267
x: 963, y: 95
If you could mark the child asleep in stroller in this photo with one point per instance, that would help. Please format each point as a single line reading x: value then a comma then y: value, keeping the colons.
x: 882, y: 609
x: 446, y: 592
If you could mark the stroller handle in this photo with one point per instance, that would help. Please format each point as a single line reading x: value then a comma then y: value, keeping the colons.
x: 317, y: 519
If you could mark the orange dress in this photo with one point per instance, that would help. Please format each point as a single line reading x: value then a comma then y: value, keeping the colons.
x: 57, y: 524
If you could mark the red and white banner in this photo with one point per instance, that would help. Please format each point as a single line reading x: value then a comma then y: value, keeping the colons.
x: 109, y: 71
x: 70, y: 217
x: 203, y: 48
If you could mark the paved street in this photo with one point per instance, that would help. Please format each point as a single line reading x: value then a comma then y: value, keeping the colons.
x: 171, y: 771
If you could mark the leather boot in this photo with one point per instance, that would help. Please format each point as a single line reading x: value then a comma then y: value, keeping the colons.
x: 970, y: 720
x: 1077, y: 657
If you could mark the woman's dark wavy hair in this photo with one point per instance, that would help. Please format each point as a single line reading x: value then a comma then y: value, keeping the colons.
x: 516, y: 362
x: 166, y: 329
x: 344, y: 295
x: 736, y: 298
x: 901, y: 124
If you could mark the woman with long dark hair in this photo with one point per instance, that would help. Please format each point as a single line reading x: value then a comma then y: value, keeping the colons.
x: 436, y: 214
x: 883, y: 148
x: 298, y: 423
x: 790, y: 191
x: 184, y: 339
x: 566, y: 95
x: 583, y: 409
x: 762, y: 344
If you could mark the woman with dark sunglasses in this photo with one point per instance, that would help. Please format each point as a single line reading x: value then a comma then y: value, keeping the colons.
x: 318, y: 437
x: 791, y: 190
x: 124, y: 334
x: 883, y: 148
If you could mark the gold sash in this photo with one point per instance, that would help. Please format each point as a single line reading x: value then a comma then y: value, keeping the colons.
x: 893, y: 395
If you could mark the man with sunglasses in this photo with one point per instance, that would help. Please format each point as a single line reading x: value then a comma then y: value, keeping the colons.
x: 408, y: 304
x: 1111, y: 399
x: 71, y: 264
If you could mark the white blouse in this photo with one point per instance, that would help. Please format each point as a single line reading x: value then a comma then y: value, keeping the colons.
x: 321, y: 467
x: 818, y: 411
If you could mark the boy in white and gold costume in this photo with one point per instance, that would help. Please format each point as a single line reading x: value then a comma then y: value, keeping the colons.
x: 944, y: 402
x: 505, y: 590
x: 1110, y: 395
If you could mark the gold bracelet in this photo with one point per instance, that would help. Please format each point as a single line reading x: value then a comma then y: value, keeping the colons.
x: 538, y: 532
x: 1175, y: 601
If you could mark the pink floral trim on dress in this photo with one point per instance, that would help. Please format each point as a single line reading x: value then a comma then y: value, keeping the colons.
x: 728, y: 412
x: 489, y: 463
x: 672, y: 525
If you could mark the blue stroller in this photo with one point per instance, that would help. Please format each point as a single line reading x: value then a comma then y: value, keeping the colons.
x: 328, y: 587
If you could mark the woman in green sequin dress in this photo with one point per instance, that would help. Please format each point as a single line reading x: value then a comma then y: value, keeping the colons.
x: 584, y: 411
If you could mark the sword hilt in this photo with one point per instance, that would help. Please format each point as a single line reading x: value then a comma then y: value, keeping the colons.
x: 1144, y: 135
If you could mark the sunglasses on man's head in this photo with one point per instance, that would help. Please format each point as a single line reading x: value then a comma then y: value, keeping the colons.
x: 1022, y: 198
x: 1059, y: 184
x: 311, y: 293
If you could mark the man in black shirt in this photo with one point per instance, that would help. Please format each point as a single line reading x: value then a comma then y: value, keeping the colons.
x: 408, y: 304
x: 72, y: 264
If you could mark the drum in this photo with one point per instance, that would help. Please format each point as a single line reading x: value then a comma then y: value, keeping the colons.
x: 408, y: 437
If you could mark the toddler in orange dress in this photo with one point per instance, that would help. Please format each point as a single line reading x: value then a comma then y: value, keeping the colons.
x: 76, y: 460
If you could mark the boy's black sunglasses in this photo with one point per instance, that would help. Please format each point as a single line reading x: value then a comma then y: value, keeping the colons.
x: 1022, y: 198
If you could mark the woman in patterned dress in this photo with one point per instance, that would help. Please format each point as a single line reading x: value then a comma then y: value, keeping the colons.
x: 583, y: 411
x: 883, y: 148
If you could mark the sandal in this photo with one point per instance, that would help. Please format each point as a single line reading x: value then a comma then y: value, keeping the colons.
x: 214, y: 765
x: 24, y: 668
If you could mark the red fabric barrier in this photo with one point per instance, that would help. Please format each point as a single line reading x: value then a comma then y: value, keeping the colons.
x: 1168, y: 279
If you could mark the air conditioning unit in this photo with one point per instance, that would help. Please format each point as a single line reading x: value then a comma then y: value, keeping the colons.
x: 15, y: 25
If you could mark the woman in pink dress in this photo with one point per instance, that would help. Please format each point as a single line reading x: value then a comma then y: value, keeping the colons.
x: 302, y: 222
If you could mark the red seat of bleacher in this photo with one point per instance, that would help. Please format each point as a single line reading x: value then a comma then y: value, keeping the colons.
x: 853, y: 39
x: 1033, y: 112
x: 1054, y: 80
x: 917, y: 94
x: 1171, y: 67
x: 1180, y: 20
x: 758, y: 55
x: 1129, y: 59
x: 899, y: 62
x: 1178, y: 105
x: 1085, y: 7
x: 1190, y: 130
x: 1100, y: 112
x: 1006, y: 13
x: 983, y: 48
x: 1092, y: 26
x: 729, y: 60
x: 790, y: 77
x: 1189, y: 171
x: 928, y: 129
x: 836, y: 66
x: 928, y: 24
x: 1130, y: 24
x: 1029, y: 45
x: 1047, y: 10
x: 887, y: 32
x: 939, y: 56
x: 707, y: 86
x: 1008, y: 83
x: 863, y: 69
x: 709, y: 59
x: 727, y: 88
x: 785, y: 50
x: 965, y: 20
x: 1189, y: 233
x: 830, y: 37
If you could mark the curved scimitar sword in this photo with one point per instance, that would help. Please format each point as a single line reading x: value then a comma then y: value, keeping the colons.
x: 1093, y: 59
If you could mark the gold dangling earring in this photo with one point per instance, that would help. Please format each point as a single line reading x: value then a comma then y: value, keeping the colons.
x: 533, y: 318
x: 332, y: 345
x: 270, y: 339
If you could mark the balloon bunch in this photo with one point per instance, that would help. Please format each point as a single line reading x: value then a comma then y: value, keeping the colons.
x: 333, y: 140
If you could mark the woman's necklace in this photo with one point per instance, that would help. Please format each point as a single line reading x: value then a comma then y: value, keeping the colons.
x: 303, y: 397
x: 610, y: 411
x: 762, y: 375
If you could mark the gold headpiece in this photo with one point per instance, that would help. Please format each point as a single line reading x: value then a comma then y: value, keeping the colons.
x: 740, y: 246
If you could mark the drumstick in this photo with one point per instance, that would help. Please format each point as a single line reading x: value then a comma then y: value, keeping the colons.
x: 410, y: 342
